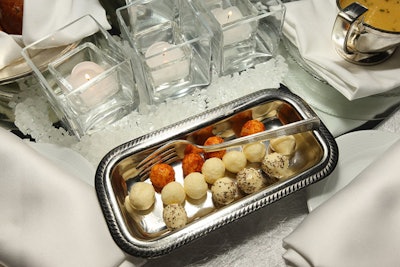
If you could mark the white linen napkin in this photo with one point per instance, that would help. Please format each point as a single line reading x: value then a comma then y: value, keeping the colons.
x: 359, y: 226
x: 10, y: 49
x: 48, y: 216
x: 42, y: 17
x: 308, y: 25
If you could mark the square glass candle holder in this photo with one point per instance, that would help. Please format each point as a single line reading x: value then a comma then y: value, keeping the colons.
x: 91, y: 83
x: 172, y: 47
x: 245, y: 32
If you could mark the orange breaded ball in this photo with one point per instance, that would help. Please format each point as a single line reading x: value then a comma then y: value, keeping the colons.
x: 161, y: 174
x: 192, y: 163
x: 212, y: 141
x: 201, y: 135
x: 239, y: 120
x: 252, y: 127
x: 192, y: 149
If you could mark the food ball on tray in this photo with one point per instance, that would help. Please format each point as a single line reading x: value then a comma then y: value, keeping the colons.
x: 255, y: 152
x: 213, y: 168
x: 195, y: 185
x: 284, y: 145
x: 224, y: 191
x: 252, y: 127
x: 234, y: 161
x: 275, y: 165
x: 192, y: 149
x: 174, y: 216
x: 141, y: 196
x: 250, y: 180
x: 192, y: 162
x: 161, y: 174
x: 173, y: 193
x: 213, y: 140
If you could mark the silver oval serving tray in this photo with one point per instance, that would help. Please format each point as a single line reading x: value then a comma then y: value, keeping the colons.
x: 144, y: 234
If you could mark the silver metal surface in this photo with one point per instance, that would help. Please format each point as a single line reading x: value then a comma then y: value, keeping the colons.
x: 144, y: 234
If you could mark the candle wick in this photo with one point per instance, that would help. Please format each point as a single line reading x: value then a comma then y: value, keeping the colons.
x: 164, y: 49
x: 229, y: 14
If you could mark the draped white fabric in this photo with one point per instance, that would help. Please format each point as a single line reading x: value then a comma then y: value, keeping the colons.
x: 42, y: 17
x: 49, y: 217
x: 358, y: 226
x: 308, y: 25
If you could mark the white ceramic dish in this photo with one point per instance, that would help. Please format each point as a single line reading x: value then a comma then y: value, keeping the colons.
x: 356, y: 151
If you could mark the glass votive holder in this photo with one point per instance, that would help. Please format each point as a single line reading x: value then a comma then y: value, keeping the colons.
x: 172, y: 47
x: 245, y: 32
x: 91, y: 83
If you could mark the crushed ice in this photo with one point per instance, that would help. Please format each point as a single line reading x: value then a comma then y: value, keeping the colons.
x: 33, y: 115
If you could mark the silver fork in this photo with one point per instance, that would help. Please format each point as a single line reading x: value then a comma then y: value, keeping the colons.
x: 173, y: 151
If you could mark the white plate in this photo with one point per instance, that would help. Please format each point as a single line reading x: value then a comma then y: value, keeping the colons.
x: 356, y: 151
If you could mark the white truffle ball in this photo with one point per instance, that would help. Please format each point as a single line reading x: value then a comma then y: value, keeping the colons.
x: 249, y: 180
x: 141, y: 196
x: 284, y: 145
x: 128, y: 206
x: 212, y: 169
x: 173, y: 193
x: 224, y: 191
x: 174, y: 216
x: 195, y: 185
x: 275, y: 165
x: 254, y: 152
x: 234, y: 161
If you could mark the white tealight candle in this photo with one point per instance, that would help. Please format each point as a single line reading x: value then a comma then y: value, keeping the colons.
x: 230, y: 15
x: 86, y: 71
x: 176, y: 64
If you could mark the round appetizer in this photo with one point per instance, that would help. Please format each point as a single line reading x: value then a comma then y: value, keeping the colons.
x: 173, y: 193
x: 284, y: 145
x: 238, y: 120
x: 141, y: 196
x: 254, y: 152
x: 195, y: 185
x: 174, y: 216
x: 213, y: 140
x: 192, y: 163
x: 249, y: 180
x: 213, y: 168
x: 224, y: 191
x: 161, y: 174
x: 234, y: 161
x: 192, y: 149
x: 275, y: 165
x: 252, y: 127
x: 201, y: 135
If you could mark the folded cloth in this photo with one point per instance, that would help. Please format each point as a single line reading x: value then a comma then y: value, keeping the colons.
x: 48, y: 217
x: 10, y: 49
x: 42, y: 17
x: 358, y: 226
x: 308, y: 25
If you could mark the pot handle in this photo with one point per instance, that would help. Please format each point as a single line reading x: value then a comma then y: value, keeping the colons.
x: 345, y: 30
